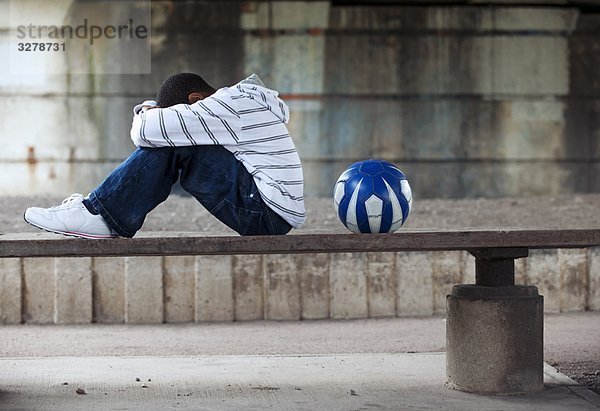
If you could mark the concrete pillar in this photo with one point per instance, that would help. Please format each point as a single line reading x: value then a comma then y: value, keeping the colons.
x: 414, y: 283
x: 348, y: 286
x: 214, y: 288
x: 248, y: 287
x: 109, y: 289
x: 381, y: 284
x: 494, y: 339
x: 10, y: 290
x: 38, y: 290
x: 314, y: 286
x: 543, y: 270
x: 594, y: 283
x: 573, y: 268
x: 73, y: 290
x: 446, y: 266
x: 179, y: 278
x: 144, y: 290
x: 282, y: 287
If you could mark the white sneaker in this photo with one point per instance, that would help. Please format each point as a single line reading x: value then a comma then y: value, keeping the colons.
x: 69, y: 218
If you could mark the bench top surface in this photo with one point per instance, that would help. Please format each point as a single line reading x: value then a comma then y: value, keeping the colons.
x: 313, y: 241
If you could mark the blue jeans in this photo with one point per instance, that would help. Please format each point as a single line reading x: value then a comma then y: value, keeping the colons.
x: 210, y: 173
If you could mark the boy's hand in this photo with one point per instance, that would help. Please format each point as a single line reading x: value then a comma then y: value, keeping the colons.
x: 146, y: 105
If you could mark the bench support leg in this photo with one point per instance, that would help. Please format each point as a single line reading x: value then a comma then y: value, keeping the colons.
x: 494, y: 329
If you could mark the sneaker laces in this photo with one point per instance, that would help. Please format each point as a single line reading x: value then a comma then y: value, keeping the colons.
x: 73, y: 199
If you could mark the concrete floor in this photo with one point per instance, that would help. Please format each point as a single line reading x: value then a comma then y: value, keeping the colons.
x: 393, y: 363
x: 325, y: 382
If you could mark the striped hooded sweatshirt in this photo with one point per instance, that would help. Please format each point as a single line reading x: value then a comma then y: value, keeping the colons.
x: 247, y: 119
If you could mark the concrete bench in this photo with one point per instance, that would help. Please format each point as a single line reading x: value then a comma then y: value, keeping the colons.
x: 494, y: 327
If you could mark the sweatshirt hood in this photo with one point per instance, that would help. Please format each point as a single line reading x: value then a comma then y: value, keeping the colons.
x: 255, y: 88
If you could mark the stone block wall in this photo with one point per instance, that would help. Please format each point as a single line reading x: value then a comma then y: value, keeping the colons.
x: 273, y: 287
x: 472, y: 100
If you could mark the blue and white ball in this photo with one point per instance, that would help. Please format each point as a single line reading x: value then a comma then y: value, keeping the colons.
x: 372, y: 196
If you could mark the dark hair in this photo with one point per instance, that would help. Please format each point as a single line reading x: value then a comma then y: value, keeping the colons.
x: 176, y: 89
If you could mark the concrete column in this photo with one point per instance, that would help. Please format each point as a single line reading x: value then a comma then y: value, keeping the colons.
x: 108, y: 275
x: 214, y: 288
x: 314, y: 286
x: 73, y: 297
x: 349, y: 285
x: 494, y: 339
x: 144, y: 290
x: 573, y: 267
x: 179, y: 284
x: 594, y: 283
x: 543, y: 271
x: 248, y: 287
x: 381, y: 284
x: 414, y: 283
x: 10, y: 290
x: 282, y: 288
x: 446, y: 266
x: 467, y: 267
x: 38, y: 290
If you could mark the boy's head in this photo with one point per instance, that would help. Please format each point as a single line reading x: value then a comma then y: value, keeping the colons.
x: 182, y: 88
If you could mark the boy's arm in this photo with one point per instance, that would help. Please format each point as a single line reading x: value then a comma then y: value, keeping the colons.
x: 208, y: 122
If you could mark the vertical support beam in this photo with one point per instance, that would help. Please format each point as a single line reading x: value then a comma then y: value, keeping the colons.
x: 594, y: 282
x: 446, y: 272
x: 179, y: 277
x: 282, y: 288
x: 494, y: 329
x: 381, y: 284
x: 414, y: 283
x: 214, y: 288
x: 108, y: 287
x: 73, y: 296
x: 314, y: 286
x: 10, y: 290
x: 573, y: 269
x: 144, y: 290
x: 348, y: 285
x: 38, y: 290
x: 495, y: 267
x: 248, y: 287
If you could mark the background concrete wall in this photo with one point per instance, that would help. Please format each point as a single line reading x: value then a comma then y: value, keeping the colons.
x: 286, y: 287
x: 472, y: 100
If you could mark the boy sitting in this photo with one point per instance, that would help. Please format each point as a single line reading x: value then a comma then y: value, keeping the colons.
x: 230, y: 148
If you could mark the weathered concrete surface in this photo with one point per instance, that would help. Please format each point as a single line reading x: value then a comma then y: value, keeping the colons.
x: 179, y: 282
x: 331, y: 382
x: 348, y: 285
x: 381, y: 284
x: 248, y: 287
x: 415, y: 284
x: 10, y: 290
x: 411, y: 291
x: 495, y: 339
x: 38, y: 284
x: 73, y: 298
x: 594, y: 283
x: 314, y: 286
x: 282, y: 282
x: 214, y: 288
x: 144, y: 291
x: 397, y: 82
x: 109, y: 289
x: 571, y: 344
x: 571, y: 340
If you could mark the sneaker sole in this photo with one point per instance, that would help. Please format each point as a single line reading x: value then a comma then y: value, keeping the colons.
x: 70, y: 233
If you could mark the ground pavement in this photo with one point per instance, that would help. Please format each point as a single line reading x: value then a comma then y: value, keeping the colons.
x: 392, y: 363
x: 578, y: 357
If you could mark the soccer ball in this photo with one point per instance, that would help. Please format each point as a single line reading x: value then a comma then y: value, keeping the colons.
x: 372, y: 196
